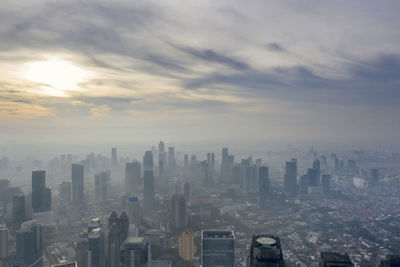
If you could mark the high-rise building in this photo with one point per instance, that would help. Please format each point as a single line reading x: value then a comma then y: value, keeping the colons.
x: 186, y: 161
x: 134, y: 211
x: 96, y: 249
x: 81, y: 250
x: 313, y: 175
x: 19, y: 214
x: 226, y: 165
x: 136, y: 252
x: 374, y: 176
x: 114, y: 157
x: 265, y: 250
x: 326, y: 181
x: 217, y: 248
x: 178, y: 211
x: 102, y: 185
x: 3, y: 241
x: 41, y: 195
x: 334, y: 259
x: 123, y: 226
x: 65, y: 192
x: 148, y: 200
x: 133, y: 172
x: 290, y: 181
x: 263, y: 183
x: 187, y: 248
x: 161, y: 159
x: 78, y: 186
x: 171, y: 159
x: 113, y: 246
x: 304, y: 184
x: 352, y: 164
x: 29, y: 244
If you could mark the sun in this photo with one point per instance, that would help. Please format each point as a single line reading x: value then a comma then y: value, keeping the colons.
x: 56, y: 76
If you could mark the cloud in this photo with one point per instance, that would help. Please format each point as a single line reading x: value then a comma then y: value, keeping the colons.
x: 22, y: 110
x: 275, y: 47
x: 98, y: 111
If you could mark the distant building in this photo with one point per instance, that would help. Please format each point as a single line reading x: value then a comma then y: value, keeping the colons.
x: 334, y: 259
x: 113, y: 246
x: 94, y: 223
x: 290, y: 179
x: 77, y: 183
x: 263, y: 183
x: 171, y: 160
x: 134, y: 211
x: 326, y: 183
x: 391, y: 261
x: 19, y: 214
x: 4, y: 241
x: 161, y: 159
x: 148, y: 201
x: 374, y: 176
x: 314, y: 176
x: 352, y: 164
x: 178, y: 211
x: 133, y: 172
x: 187, y: 248
x: 304, y: 184
x: 217, y: 248
x: 65, y: 192
x: 226, y: 165
x: 29, y: 244
x: 114, y: 157
x: 136, y: 252
x: 81, y: 250
x: 265, y: 250
x: 102, y: 185
x: 96, y: 249
x: 41, y: 195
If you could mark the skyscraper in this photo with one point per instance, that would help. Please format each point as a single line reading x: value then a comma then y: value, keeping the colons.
x: 161, y: 159
x: 326, y: 183
x: 136, y: 251
x: 186, y: 161
x: 102, y: 185
x: 41, y: 196
x: 96, y: 250
x: 263, y: 183
x: 132, y: 176
x: 226, y: 165
x: 148, y: 200
x: 78, y: 186
x: 65, y: 192
x: 265, y: 250
x: 113, y: 246
x: 114, y: 157
x: 19, y: 209
x: 178, y: 211
x: 171, y: 159
x: 134, y: 211
x: 374, y: 176
x: 187, y: 248
x: 81, y: 250
x: 3, y: 241
x: 334, y: 259
x: 290, y: 181
x: 217, y: 248
x: 313, y: 175
x: 29, y: 244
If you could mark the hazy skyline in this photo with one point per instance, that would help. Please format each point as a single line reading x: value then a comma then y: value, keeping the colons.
x: 199, y: 70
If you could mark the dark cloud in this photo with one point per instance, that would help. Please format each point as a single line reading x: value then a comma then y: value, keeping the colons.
x: 275, y: 47
x: 381, y: 68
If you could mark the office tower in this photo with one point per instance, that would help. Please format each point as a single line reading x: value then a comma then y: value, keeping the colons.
x: 290, y: 180
x: 317, y: 167
x: 209, y: 158
x: 265, y: 250
x: 187, y: 248
x: 29, y: 244
x: 19, y: 209
x: 313, y: 176
x: 352, y: 164
x: 148, y: 200
x: 212, y: 159
x: 41, y: 196
x: 217, y: 248
x: 161, y: 159
x: 136, y: 252
x: 114, y: 157
x: 65, y: 192
x: 133, y: 172
x: 304, y: 184
x: 341, y: 164
x: 178, y: 211
x: 94, y: 223
x: 254, y: 178
x: 186, y: 189
x: 102, y: 185
x: 96, y: 249
x: 263, y: 183
x: 336, y: 163
x: 123, y: 226
x: 66, y: 264
x: 134, y: 211
x: 326, y: 181
x: 171, y: 159
x: 3, y: 241
x: 390, y: 261
x: 226, y: 165
x: 334, y: 259
x: 247, y: 179
x: 28, y: 207
x: 113, y: 246
x: 186, y: 161
x: 81, y: 250
x: 236, y: 174
x: 374, y: 176
x: 205, y: 176
x: 78, y: 186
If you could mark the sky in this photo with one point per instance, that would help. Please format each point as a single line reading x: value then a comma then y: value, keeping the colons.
x: 199, y: 71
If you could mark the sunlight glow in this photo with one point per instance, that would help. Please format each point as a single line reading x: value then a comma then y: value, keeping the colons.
x: 56, y: 76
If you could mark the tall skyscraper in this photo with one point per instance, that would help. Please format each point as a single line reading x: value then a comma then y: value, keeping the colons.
x: 136, y: 251
x: 96, y: 250
x: 317, y: 167
x: 81, y: 250
x: 265, y: 250
x: 134, y: 211
x: 113, y: 246
x: 290, y: 181
x: 187, y: 248
x: 41, y: 196
x: 19, y: 214
x: 3, y: 241
x: 226, y: 165
x: 186, y: 161
x: 178, y: 211
x: 78, y: 186
x: 334, y: 259
x: 102, y: 185
x: 313, y: 175
x: 263, y: 183
x: 171, y: 159
x: 133, y: 172
x: 161, y: 159
x: 326, y: 181
x: 217, y: 248
x: 29, y: 244
x: 114, y: 157
x: 304, y: 184
x: 65, y: 192
x: 148, y: 200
